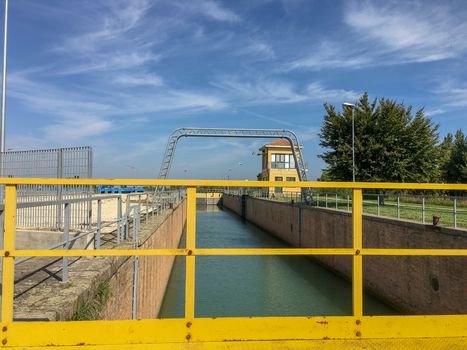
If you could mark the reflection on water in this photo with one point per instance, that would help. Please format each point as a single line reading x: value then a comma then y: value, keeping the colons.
x: 256, y: 285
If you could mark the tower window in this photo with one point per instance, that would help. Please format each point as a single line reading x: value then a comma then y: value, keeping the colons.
x: 282, y: 161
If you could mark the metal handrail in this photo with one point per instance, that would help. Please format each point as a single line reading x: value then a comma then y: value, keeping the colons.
x: 124, y: 220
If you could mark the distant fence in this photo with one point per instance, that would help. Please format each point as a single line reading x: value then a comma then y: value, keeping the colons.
x: 445, y: 210
x: 75, y: 163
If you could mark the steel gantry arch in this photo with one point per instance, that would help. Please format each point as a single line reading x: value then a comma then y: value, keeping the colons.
x: 177, y: 134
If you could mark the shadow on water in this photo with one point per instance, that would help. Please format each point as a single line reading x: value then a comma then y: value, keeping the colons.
x: 257, y: 285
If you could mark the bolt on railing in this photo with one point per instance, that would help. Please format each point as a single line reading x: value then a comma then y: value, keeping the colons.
x: 66, y: 241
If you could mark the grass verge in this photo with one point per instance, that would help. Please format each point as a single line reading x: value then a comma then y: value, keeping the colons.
x: 91, y: 308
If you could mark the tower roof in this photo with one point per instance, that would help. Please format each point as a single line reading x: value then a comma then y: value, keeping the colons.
x: 283, y: 143
x: 279, y: 142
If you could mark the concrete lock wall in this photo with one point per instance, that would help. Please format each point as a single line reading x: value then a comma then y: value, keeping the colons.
x: 209, y: 198
x: 153, y: 273
x: 415, y: 285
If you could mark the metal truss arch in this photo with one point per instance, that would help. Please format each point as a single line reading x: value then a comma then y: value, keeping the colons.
x: 179, y: 133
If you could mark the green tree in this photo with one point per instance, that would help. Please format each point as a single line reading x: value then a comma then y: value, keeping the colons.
x: 444, y: 155
x: 455, y: 169
x: 391, y: 144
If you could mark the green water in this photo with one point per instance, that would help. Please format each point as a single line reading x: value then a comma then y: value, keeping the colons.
x: 256, y: 285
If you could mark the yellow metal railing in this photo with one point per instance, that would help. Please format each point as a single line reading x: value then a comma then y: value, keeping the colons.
x: 264, y: 332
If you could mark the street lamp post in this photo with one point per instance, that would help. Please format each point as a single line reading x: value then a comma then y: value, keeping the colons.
x: 2, y: 124
x: 352, y: 107
x: 5, y: 37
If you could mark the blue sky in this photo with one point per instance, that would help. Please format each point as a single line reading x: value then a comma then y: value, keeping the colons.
x: 120, y: 75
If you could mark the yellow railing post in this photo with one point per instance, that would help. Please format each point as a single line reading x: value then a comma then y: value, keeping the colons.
x: 8, y: 278
x: 357, y: 269
x: 190, y: 260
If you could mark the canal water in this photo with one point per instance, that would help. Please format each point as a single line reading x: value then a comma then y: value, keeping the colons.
x: 256, y: 285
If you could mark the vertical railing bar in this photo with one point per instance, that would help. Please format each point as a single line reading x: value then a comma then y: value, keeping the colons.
x: 2, y: 227
x: 134, y: 305
x: 455, y: 212
x: 59, y: 189
x: 398, y: 207
x: 190, y: 260
x: 357, y: 265
x: 8, y: 268
x: 89, y: 208
x: 66, y: 241
x: 147, y: 207
x: 378, y: 205
x: 127, y: 217
x: 119, y: 218
x: 97, y: 241
x: 423, y: 209
x: 139, y: 204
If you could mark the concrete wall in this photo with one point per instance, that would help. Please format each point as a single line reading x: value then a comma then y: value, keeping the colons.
x: 154, y: 272
x: 35, y: 239
x: 232, y: 202
x: 211, y: 198
x: 418, y: 285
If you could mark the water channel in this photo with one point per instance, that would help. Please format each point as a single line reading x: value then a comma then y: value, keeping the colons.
x: 256, y: 285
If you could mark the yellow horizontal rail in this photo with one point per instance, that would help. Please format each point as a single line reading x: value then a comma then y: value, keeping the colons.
x: 94, y: 253
x: 234, y: 251
x: 414, y: 252
x: 180, y: 333
x: 234, y: 329
x: 273, y: 251
x: 233, y: 183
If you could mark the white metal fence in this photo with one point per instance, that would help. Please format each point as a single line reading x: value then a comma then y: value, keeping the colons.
x: 445, y: 210
x: 73, y: 162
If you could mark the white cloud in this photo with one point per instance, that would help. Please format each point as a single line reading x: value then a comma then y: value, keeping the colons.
x: 45, y: 98
x: 168, y: 101
x: 432, y: 112
x: 453, y: 94
x: 260, y: 91
x: 117, y: 61
x: 390, y: 33
x: 307, y: 133
x: 80, y: 114
x: 112, y: 22
x: 27, y: 141
x: 268, y: 91
x: 280, y: 121
x: 256, y: 49
x: 210, y: 9
x: 416, y: 32
x: 318, y: 92
x: 141, y: 79
x: 77, y: 128
x: 330, y: 55
x: 109, y: 40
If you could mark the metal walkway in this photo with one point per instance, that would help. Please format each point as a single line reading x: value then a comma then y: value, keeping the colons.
x: 241, y: 133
